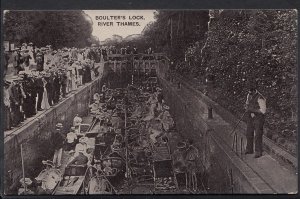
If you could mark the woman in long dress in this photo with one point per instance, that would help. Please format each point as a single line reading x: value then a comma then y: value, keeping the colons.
x: 45, y: 103
x: 73, y: 77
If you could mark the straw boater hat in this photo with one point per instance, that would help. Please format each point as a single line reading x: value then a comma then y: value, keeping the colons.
x: 118, y: 131
x: 27, y: 181
x: 96, y: 96
x: 83, y: 139
x: 166, y: 107
x: 181, y: 145
x: 59, y: 125
x: 48, y: 162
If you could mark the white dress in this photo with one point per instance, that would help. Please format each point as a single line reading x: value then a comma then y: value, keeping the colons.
x: 45, y: 104
x: 73, y: 78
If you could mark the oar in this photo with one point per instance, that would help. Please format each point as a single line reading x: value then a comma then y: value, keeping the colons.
x: 23, y: 169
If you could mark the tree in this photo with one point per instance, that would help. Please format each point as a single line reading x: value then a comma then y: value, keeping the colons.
x: 58, y: 28
x: 244, y: 45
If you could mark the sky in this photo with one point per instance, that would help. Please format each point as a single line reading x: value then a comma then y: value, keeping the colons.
x: 115, y: 19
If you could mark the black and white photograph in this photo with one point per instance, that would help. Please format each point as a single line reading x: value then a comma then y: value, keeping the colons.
x: 162, y: 101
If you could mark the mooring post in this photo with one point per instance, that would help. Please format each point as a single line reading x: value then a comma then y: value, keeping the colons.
x: 210, y: 113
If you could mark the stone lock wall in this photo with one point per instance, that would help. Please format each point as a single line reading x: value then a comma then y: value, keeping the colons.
x: 224, y: 169
x: 35, y: 136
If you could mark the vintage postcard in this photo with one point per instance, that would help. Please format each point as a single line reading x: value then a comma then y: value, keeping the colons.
x: 150, y: 101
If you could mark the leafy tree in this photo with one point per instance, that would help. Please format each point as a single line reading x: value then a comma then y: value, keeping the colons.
x: 58, y: 28
x: 244, y: 45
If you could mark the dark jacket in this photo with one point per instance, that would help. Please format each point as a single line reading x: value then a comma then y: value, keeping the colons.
x: 58, y: 140
x: 79, y: 160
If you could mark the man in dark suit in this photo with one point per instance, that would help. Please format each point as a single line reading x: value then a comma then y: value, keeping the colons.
x: 40, y: 90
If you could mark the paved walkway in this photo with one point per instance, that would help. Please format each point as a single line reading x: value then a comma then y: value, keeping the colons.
x: 280, y: 177
x: 39, y: 113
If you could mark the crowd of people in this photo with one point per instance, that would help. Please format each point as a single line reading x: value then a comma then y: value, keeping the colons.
x: 42, y: 77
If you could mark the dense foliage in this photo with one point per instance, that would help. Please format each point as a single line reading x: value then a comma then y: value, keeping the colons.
x: 238, y: 46
x: 260, y: 45
x: 171, y: 33
x: 58, y: 28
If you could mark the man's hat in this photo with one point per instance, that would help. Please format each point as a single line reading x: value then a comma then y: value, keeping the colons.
x: 59, y: 125
x: 22, y: 73
x: 118, y: 131
x: 27, y: 182
x: 181, y: 145
x: 166, y: 107
x: 30, y: 43
x: 96, y: 96
x: 83, y: 139
x: 48, y: 162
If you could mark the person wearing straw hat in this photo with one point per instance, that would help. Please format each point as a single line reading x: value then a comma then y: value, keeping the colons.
x: 58, y: 142
x: 18, y: 60
x: 191, y: 156
x: 81, y: 145
x: 96, y: 97
x: 39, y: 61
x: 49, y: 178
x: 179, y: 163
x: 71, y: 140
x: 179, y: 154
x: 77, y: 121
x: 26, y: 57
x: 103, y: 90
x: 159, y: 97
x: 80, y: 159
x: 155, y: 131
x: 25, y: 191
x: 166, y: 119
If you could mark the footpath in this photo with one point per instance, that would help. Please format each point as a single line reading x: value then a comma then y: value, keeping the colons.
x: 277, y: 168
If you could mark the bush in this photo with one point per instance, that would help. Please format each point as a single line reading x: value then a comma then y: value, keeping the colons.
x: 253, y: 45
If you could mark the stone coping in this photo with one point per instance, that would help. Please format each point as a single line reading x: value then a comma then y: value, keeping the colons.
x: 36, y: 118
x: 270, y: 147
